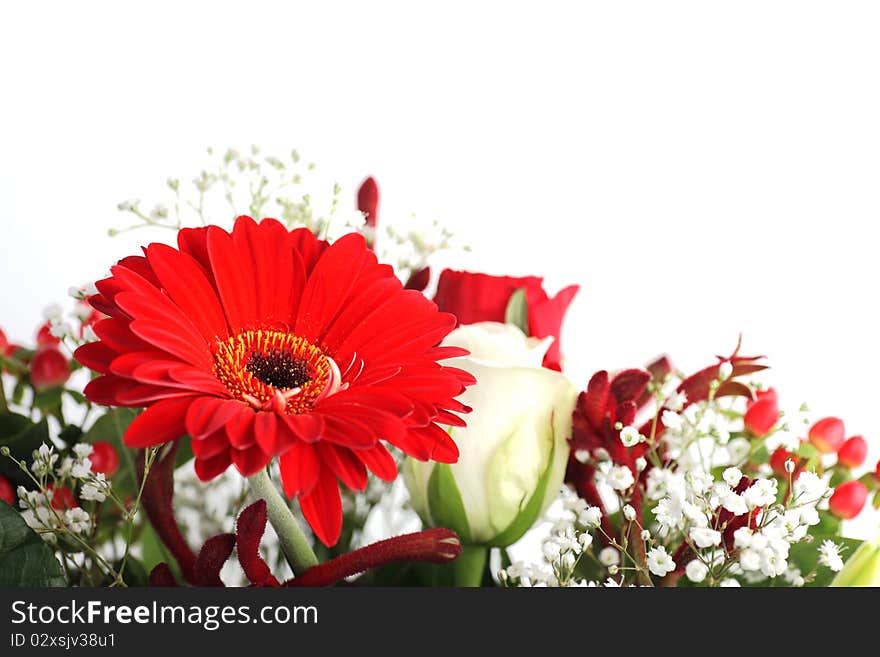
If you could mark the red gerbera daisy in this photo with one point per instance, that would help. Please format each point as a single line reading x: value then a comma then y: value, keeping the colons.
x: 264, y: 343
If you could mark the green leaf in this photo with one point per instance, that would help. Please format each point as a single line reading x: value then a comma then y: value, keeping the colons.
x: 135, y: 574
x: 531, y: 513
x: 110, y: 428
x: 517, y: 311
x: 805, y: 556
x: 70, y: 434
x: 444, y: 502
x: 25, y: 559
x: 806, y: 450
x: 76, y: 396
x: 22, y: 437
x: 48, y: 400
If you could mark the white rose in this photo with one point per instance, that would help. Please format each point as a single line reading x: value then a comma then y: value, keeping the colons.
x: 514, y: 450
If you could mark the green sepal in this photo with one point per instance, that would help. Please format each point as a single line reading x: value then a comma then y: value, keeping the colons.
x: 444, y: 502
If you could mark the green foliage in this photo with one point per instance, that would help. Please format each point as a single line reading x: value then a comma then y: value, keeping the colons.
x: 805, y: 556
x: 25, y: 559
x: 22, y: 437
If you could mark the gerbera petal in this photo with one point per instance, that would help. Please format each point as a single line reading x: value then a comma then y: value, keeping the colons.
x: 141, y: 300
x: 266, y: 432
x: 300, y: 468
x: 161, y: 422
x: 240, y: 429
x: 185, y: 282
x: 358, y: 311
x: 344, y: 464
x: 329, y: 285
x: 250, y: 460
x: 116, y: 334
x: 140, y: 266
x: 379, y: 461
x: 322, y: 507
x: 208, y: 446
x: 309, y: 247
x: 208, y: 414
x: 272, y: 264
x: 96, y: 356
x: 194, y: 242
x: 105, y: 389
x: 235, y: 279
x: 166, y: 337
x: 207, y: 469
x: 307, y: 427
x: 348, y: 432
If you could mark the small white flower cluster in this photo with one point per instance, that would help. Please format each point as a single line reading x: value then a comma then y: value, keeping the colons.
x: 52, y: 474
x: 47, y: 521
x: 569, y: 540
x: 63, y: 326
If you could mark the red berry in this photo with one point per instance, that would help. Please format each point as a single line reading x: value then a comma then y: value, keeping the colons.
x: 62, y: 497
x: 848, y: 499
x: 828, y: 434
x: 877, y: 471
x: 778, y: 459
x: 7, y: 492
x: 45, y: 337
x: 104, y: 458
x: 762, y: 414
x: 49, y: 369
x: 853, y: 452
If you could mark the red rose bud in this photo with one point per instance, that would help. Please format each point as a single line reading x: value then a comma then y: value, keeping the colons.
x: 762, y: 414
x: 368, y: 200
x: 848, y: 499
x: 45, y: 337
x: 49, y: 369
x: 828, y: 434
x: 778, y: 460
x: 7, y: 492
x: 853, y: 452
x: 62, y: 497
x: 104, y: 458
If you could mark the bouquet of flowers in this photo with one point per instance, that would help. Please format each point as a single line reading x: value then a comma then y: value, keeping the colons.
x: 304, y: 391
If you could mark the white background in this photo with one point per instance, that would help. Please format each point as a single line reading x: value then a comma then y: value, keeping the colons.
x: 701, y: 169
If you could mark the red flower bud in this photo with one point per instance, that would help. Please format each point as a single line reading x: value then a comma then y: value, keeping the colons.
x: 419, y: 280
x: 62, y: 497
x: 778, y: 459
x: 45, y: 337
x: 853, y: 452
x: 762, y: 414
x: 104, y: 458
x: 828, y: 434
x: 848, y: 499
x: 7, y: 492
x: 368, y: 200
x: 877, y: 471
x: 4, y: 344
x: 49, y: 369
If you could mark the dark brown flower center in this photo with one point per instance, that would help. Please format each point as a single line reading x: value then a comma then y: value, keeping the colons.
x: 278, y: 369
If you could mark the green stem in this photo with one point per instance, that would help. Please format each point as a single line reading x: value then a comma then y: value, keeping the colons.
x: 296, y: 548
x: 4, y: 405
x: 470, y: 565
